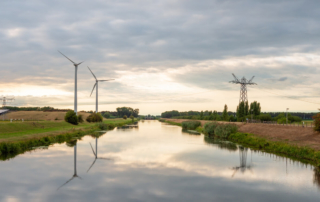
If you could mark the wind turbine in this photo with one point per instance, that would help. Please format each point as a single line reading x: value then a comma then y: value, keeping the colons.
x: 75, y: 175
x: 96, y: 86
x: 95, y: 153
x: 75, y: 83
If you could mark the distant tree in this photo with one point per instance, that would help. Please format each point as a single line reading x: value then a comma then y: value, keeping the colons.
x: 241, y: 111
x: 316, y: 119
x: 132, y: 118
x: 106, y: 115
x: 255, y: 108
x: 71, y: 117
x: 225, y: 116
x: 201, y: 115
x: 125, y: 117
x: 246, y: 108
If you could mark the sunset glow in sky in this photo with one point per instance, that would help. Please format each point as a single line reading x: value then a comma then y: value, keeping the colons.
x: 163, y: 55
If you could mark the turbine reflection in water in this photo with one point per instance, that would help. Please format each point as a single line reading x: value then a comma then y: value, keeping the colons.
x: 95, y: 153
x: 75, y: 175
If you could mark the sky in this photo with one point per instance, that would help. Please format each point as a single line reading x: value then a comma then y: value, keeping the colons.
x: 164, y: 55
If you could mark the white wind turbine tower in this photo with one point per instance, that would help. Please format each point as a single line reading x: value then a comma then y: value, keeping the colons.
x: 75, y: 83
x: 96, y: 86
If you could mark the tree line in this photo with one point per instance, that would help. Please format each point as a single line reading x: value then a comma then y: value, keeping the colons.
x: 244, y: 111
x: 121, y: 112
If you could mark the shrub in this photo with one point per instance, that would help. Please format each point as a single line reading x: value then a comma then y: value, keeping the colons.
x: 132, y: 118
x: 104, y: 126
x: 209, y: 128
x: 71, y: 117
x: 282, y: 120
x: 125, y: 117
x: 94, y: 117
x: 224, y: 130
x: 317, y: 122
x: 80, y: 118
x: 190, y: 125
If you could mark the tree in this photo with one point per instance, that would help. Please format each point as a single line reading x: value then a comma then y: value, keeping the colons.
x: 225, y: 116
x: 106, y: 115
x: 246, y: 108
x: 241, y: 111
x: 125, y: 117
x: 132, y: 118
x: 317, y: 122
x: 71, y: 117
x: 201, y: 115
x: 255, y: 108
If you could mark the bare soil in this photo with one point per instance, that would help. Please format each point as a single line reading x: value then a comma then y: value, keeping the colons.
x: 300, y: 136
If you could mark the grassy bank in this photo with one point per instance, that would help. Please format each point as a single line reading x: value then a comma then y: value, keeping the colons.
x: 304, y: 154
x: 19, y: 137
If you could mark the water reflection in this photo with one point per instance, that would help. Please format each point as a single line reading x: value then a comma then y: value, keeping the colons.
x: 155, y: 163
x: 243, y: 161
x: 75, y: 175
x: 230, y: 146
x: 316, y: 177
x: 95, y: 153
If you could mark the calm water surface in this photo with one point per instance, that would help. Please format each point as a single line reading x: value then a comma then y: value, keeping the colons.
x: 155, y: 162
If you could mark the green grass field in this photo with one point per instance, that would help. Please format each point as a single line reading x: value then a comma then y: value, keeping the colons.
x: 17, y: 131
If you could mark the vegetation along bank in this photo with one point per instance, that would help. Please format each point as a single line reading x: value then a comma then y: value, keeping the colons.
x: 295, y: 142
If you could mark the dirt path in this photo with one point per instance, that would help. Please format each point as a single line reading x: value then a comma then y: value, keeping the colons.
x: 295, y: 135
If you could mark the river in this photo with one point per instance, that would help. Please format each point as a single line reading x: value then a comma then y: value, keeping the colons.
x: 155, y: 161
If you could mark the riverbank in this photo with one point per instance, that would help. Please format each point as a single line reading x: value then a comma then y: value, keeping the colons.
x: 28, y: 135
x: 298, y: 136
x: 297, y: 143
x: 19, y: 131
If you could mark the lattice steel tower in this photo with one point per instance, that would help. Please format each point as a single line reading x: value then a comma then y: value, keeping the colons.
x: 243, y: 87
x: 5, y: 100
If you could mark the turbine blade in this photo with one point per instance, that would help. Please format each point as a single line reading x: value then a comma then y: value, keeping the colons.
x: 80, y: 63
x: 92, y: 73
x: 92, y: 149
x: 91, y: 165
x: 65, y: 183
x: 105, y: 158
x: 106, y: 80
x: 67, y: 57
x: 93, y: 89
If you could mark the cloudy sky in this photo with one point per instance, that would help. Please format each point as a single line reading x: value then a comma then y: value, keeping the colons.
x: 163, y: 55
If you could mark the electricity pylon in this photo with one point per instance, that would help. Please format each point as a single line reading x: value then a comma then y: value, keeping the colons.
x: 5, y: 100
x: 243, y: 87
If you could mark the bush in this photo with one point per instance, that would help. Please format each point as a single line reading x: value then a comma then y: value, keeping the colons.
x: 80, y: 118
x: 132, y: 118
x: 94, y: 117
x: 125, y: 117
x: 190, y: 125
x: 224, y: 130
x: 317, y: 122
x: 282, y: 120
x: 71, y: 117
x: 209, y: 128
x: 104, y: 126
